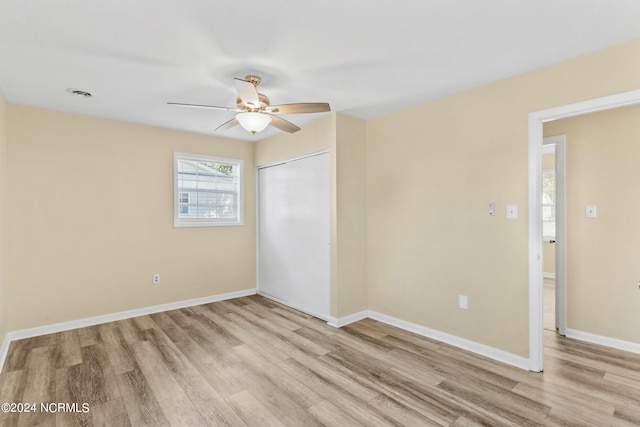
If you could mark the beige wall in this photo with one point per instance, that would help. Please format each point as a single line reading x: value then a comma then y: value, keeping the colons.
x: 351, y: 215
x: 345, y: 139
x: 91, y: 219
x: 431, y: 171
x: 3, y: 220
x: 314, y: 136
x: 603, y: 273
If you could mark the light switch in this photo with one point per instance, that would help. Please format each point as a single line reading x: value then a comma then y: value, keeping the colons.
x: 492, y: 208
x: 512, y: 211
x: 591, y: 211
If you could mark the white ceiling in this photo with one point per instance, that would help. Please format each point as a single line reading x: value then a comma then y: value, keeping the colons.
x: 366, y: 58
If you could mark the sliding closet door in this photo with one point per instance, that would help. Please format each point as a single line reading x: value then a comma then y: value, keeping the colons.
x: 293, y: 236
x: 272, y: 233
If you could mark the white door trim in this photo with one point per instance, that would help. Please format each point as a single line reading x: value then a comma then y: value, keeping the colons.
x: 536, y: 120
x: 292, y: 159
x: 561, y: 237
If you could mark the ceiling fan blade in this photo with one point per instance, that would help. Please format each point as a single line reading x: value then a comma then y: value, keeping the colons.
x: 228, y: 124
x: 307, y: 107
x: 283, y: 124
x: 214, y: 107
x: 247, y: 93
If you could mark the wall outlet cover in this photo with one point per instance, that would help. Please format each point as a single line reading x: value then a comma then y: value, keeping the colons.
x: 463, y: 302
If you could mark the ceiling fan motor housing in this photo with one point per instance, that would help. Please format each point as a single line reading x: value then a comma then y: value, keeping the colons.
x: 264, y: 103
x: 253, y: 79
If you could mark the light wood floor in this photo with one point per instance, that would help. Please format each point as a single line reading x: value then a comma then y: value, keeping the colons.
x: 251, y: 361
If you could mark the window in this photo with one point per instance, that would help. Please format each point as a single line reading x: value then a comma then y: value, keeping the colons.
x: 549, y: 205
x: 183, y: 200
x: 208, y: 191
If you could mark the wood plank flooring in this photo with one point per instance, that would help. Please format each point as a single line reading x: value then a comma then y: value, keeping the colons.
x: 253, y: 362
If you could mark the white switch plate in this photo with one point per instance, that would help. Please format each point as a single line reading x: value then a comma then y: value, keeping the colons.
x: 463, y: 301
x: 591, y: 211
x: 492, y: 208
x: 512, y: 211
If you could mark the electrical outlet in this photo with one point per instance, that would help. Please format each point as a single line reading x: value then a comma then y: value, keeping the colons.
x: 463, y: 302
x: 156, y: 279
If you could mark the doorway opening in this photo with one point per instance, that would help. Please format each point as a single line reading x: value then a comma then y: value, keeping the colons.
x: 553, y: 233
x: 536, y: 121
x: 549, y: 192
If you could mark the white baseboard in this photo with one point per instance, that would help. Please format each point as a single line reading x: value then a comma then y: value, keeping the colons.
x: 4, y: 350
x: 96, y: 320
x: 344, y: 321
x: 602, y: 340
x: 474, y: 347
x: 481, y: 349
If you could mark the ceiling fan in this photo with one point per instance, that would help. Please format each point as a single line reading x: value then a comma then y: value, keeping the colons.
x: 255, y: 110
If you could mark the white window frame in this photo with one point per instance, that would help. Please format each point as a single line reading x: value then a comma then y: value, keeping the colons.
x: 177, y: 190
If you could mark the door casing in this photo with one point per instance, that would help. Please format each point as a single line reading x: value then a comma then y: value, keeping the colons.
x: 536, y: 121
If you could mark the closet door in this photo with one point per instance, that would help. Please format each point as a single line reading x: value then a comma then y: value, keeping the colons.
x: 294, y: 233
x: 272, y: 233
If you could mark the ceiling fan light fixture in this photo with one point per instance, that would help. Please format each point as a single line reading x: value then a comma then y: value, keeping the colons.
x: 253, y: 122
x: 255, y: 109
